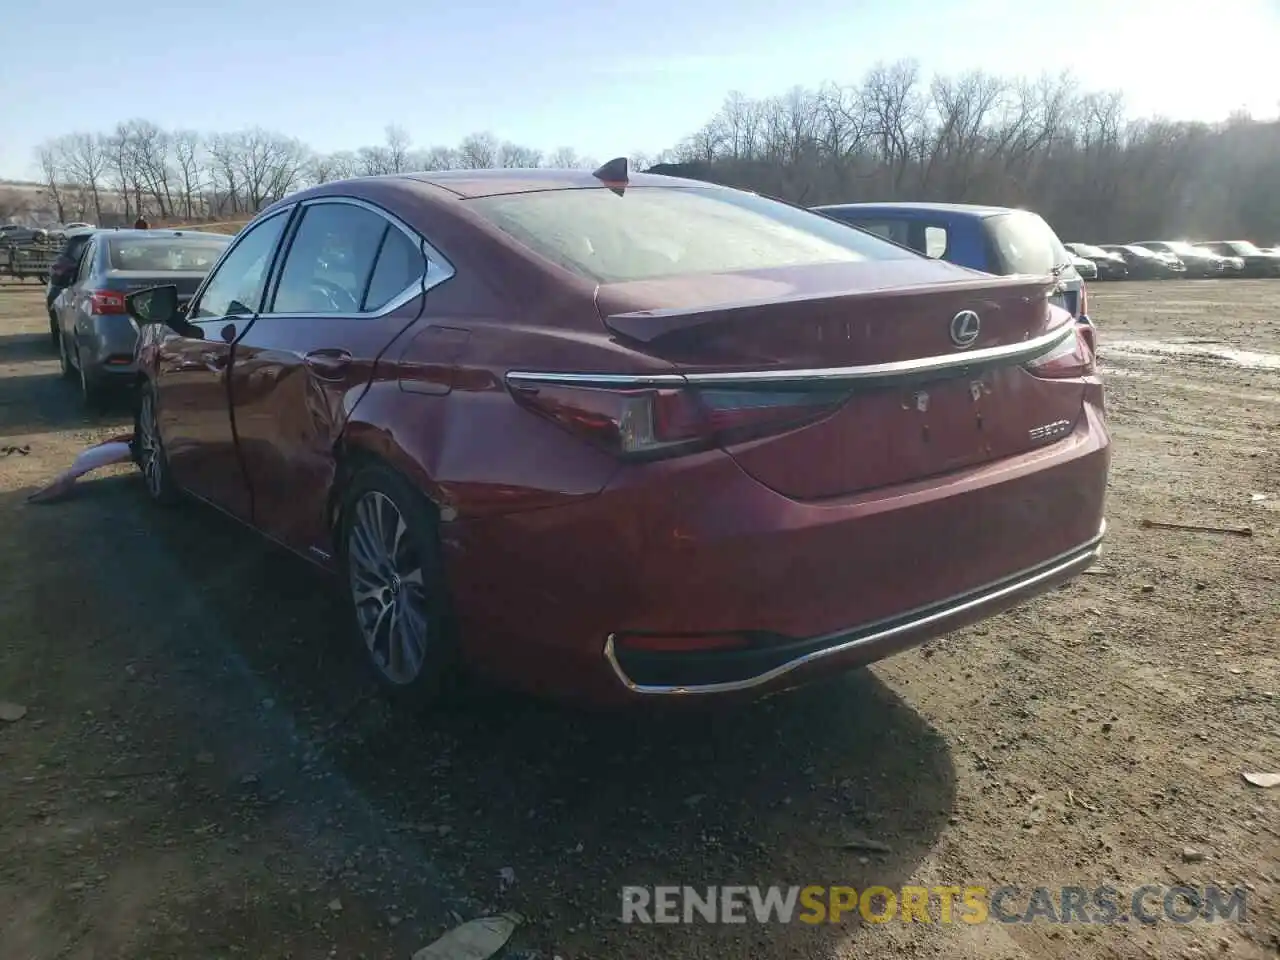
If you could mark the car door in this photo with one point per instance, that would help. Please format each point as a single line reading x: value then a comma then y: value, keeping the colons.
x: 349, y: 284
x: 190, y: 378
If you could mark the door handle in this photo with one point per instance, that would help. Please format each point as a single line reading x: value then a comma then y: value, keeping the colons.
x: 328, y: 364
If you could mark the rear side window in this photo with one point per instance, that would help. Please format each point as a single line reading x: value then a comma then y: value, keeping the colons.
x: 163, y: 256
x: 330, y: 260
x: 935, y: 241
x: 1025, y: 243
x: 651, y: 232
x: 399, y: 264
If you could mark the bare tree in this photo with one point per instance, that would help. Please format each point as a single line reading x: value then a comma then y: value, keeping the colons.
x: 49, y: 156
x: 397, y: 149
x: 514, y: 155
x: 478, y: 151
x: 86, y: 158
x: 188, y: 149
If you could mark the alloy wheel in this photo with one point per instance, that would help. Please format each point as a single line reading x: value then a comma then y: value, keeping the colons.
x: 388, y: 587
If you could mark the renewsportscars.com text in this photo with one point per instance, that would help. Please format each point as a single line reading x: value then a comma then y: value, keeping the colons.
x: 1147, y: 904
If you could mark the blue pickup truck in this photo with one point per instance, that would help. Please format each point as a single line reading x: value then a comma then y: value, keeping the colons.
x: 997, y: 240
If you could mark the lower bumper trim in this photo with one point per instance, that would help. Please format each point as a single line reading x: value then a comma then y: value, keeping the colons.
x: 926, y: 622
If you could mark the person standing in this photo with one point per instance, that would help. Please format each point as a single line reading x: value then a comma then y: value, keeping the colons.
x: 141, y: 223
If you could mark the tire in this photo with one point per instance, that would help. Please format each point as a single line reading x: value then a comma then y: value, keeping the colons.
x: 397, y: 596
x: 148, y: 451
x: 64, y: 359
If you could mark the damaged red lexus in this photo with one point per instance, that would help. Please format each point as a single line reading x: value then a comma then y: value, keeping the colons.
x: 624, y: 437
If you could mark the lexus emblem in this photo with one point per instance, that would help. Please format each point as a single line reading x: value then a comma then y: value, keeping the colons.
x: 965, y: 327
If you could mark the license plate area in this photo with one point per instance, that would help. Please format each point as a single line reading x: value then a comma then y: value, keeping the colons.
x: 944, y: 425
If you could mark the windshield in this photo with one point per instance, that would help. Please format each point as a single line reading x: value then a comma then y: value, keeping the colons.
x: 1181, y: 246
x: 651, y: 232
x: 1141, y: 251
x: 1085, y: 250
x: 1026, y: 243
x: 164, y: 255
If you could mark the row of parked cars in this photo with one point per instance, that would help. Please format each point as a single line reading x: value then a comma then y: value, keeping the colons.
x: 1167, y: 259
x: 616, y: 436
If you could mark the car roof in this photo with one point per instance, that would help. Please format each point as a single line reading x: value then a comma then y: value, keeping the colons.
x: 964, y: 209
x: 488, y: 183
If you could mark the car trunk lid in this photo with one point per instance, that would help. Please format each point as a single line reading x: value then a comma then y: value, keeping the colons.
x: 925, y: 360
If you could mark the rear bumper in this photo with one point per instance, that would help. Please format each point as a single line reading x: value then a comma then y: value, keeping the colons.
x: 108, y: 347
x: 770, y: 665
x: 694, y: 547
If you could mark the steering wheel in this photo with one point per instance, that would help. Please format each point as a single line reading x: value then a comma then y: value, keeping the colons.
x: 339, y: 298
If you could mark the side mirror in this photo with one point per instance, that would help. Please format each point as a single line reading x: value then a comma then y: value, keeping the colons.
x: 159, y: 305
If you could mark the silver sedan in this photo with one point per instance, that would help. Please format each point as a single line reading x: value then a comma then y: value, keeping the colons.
x: 96, y: 338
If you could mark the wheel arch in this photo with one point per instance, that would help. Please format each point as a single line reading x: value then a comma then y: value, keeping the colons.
x: 362, y: 444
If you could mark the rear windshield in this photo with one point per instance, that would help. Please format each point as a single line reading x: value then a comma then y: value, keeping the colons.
x: 1025, y: 243
x: 164, y: 255
x: 653, y: 232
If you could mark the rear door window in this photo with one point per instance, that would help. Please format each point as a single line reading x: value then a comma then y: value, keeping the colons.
x: 399, y: 267
x: 330, y: 260
x: 1024, y: 243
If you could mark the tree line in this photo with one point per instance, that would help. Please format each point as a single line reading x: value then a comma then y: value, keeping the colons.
x: 897, y: 134
x: 140, y: 168
x: 1041, y: 143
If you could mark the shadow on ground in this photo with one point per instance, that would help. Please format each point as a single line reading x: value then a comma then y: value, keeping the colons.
x: 34, y: 397
x: 212, y: 769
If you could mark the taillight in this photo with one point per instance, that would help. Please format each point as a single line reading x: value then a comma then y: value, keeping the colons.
x: 1071, y: 358
x: 106, y: 301
x: 645, y: 423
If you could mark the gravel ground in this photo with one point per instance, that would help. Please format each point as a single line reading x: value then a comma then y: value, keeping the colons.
x: 197, y: 774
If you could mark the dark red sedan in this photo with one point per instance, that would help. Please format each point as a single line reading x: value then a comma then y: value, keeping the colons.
x: 617, y: 437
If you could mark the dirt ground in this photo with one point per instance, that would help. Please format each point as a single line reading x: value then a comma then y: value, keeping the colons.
x: 199, y: 774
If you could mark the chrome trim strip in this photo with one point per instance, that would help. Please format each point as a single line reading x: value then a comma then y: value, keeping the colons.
x: 1080, y: 557
x: 924, y: 366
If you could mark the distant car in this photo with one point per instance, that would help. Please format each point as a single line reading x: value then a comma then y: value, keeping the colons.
x: 63, y: 271
x: 1147, y: 264
x: 77, y: 225
x: 1110, y: 265
x: 1256, y: 262
x: 998, y: 240
x: 1199, y: 263
x: 622, y: 436
x: 96, y: 337
x: 1087, y: 269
